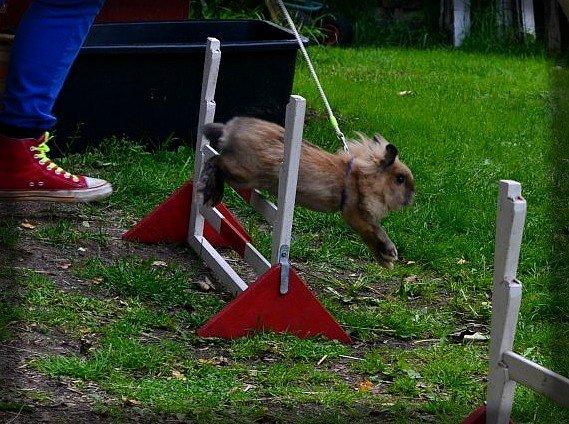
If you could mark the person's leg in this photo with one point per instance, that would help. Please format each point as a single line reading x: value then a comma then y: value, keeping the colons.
x: 46, y: 44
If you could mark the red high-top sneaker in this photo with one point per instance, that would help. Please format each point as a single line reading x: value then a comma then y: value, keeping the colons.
x: 26, y: 173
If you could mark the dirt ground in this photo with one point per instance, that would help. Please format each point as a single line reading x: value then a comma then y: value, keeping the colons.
x: 63, y: 402
x: 28, y: 396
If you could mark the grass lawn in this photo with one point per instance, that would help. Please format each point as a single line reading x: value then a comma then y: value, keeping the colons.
x: 130, y: 321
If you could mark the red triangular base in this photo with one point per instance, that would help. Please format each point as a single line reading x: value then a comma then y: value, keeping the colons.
x: 478, y: 416
x: 169, y: 221
x: 262, y: 307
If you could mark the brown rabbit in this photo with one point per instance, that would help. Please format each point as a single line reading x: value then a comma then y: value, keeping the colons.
x: 364, y: 187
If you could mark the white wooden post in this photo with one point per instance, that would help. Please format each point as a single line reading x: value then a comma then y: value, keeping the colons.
x: 281, y: 218
x: 288, y: 178
x: 528, y: 18
x: 461, y: 21
x: 223, y: 271
x: 206, y: 116
x: 506, y: 299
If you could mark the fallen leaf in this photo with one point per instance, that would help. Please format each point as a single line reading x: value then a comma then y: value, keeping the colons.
x: 365, y: 386
x: 204, y: 285
x: 214, y: 361
x: 178, y: 375
x: 27, y: 225
x: 130, y: 402
x: 221, y: 360
x: 159, y: 263
x: 476, y: 337
x: 469, y: 330
x: 411, y: 279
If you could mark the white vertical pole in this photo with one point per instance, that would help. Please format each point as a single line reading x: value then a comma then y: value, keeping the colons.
x: 507, y: 292
x: 206, y: 116
x: 461, y: 21
x: 528, y: 18
x: 288, y: 178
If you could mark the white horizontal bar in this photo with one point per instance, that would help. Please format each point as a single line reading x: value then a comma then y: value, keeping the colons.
x: 258, y: 202
x: 254, y: 258
x: 213, y: 217
x: 536, y: 377
x: 265, y: 207
x: 209, y: 152
x: 231, y: 282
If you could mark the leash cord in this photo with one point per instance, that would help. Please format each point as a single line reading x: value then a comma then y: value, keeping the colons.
x: 333, y: 119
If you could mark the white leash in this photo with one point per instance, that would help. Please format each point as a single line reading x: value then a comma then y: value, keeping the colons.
x: 333, y: 119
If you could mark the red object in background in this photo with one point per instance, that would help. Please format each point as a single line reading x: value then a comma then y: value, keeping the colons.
x: 113, y: 11
x: 478, y: 416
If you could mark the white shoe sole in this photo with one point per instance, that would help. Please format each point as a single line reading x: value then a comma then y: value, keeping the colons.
x: 85, y: 195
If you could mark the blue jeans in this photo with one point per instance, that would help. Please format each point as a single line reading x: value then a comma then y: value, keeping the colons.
x: 47, y: 42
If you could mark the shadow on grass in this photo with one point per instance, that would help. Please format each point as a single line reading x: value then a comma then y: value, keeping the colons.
x: 558, y: 309
x: 8, y: 294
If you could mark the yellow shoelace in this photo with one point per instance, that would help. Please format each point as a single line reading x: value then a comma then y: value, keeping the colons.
x: 42, y: 151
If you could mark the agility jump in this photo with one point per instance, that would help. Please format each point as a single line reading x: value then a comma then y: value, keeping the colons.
x: 279, y: 300
x: 507, y: 367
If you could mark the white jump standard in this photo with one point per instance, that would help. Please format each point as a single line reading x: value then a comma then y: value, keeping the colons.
x: 506, y: 366
x: 278, y: 301
x: 282, y: 222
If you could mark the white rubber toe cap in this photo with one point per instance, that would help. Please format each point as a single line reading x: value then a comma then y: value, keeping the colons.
x: 95, y: 182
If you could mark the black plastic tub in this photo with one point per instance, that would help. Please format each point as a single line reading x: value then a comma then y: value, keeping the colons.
x: 142, y: 81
